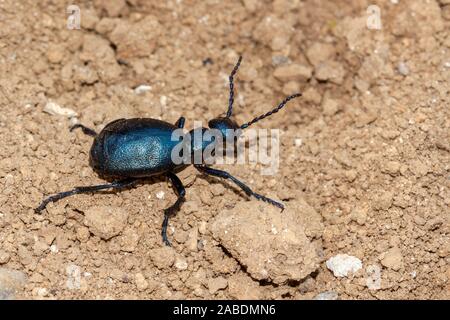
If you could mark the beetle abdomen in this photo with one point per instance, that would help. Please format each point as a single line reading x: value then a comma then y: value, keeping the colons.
x: 134, y: 148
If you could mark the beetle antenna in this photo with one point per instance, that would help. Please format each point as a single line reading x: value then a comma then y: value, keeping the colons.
x: 280, y: 106
x: 231, y: 79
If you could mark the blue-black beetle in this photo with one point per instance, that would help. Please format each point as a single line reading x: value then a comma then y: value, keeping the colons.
x: 131, y: 149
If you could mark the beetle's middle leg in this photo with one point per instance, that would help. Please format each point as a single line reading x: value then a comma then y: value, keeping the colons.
x: 116, y: 185
x: 243, y: 186
x: 170, y: 211
x: 86, y: 130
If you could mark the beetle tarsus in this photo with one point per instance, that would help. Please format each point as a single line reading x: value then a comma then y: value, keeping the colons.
x: 164, y: 231
x: 240, y: 184
x: 172, y: 210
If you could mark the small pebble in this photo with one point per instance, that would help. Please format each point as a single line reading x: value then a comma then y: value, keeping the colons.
x: 106, y: 221
x: 11, y: 281
x: 160, y: 195
x: 192, y: 240
x: 330, y: 106
x: 403, y: 69
x: 391, y: 167
x: 332, y: 71
x: 342, y: 265
x: 373, y: 279
x: 4, y: 257
x: 55, y: 53
x: 202, y: 227
x: 311, y: 95
x: 142, y: 89
x: 392, y: 259
x: 319, y: 52
x: 83, y: 234
x: 41, y: 292
x: 279, y: 60
x: 73, y: 273
x: 327, y: 295
x: 163, y: 101
x: 216, y: 284
x: 359, y: 214
x: 141, y: 283
x: 112, y: 8
x: 55, y: 109
x: 293, y: 72
x: 181, y: 264
x: 163, y: 257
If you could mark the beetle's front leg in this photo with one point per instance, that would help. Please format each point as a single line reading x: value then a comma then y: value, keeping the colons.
x: 170, y: 211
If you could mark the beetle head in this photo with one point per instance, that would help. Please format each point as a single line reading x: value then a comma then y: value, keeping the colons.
x: 225, y: 125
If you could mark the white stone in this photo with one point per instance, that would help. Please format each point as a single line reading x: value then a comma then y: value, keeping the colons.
x: 73, y: 273
x: 327, y: 295
x: 42, y: 292
x: 143, y: 88
x: 55, y: 109
x: 343, y: 264
x: 403, y: 69
x: 163, y: 101
x: 54, y: 248
x: 181, y: 264
x: 373, y: 280
x: 160, y: 195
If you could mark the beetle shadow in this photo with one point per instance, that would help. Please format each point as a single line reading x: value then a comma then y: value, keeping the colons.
x: 138, y: 183
x: 225, y: 184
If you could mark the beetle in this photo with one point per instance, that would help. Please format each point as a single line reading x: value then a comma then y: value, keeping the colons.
x: 128, y: 150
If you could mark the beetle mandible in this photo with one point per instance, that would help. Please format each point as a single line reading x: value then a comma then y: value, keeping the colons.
x: 128, y: 150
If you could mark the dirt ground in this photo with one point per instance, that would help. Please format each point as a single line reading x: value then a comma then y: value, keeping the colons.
x: 364, y: 155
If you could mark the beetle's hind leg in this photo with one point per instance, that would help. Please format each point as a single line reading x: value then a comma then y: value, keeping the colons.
x: 172, y: 210
x: 240, y: 184
x: 86, y: 130
x: 116, y: 185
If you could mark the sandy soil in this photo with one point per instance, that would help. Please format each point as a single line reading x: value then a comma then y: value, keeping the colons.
x: 365, y: 153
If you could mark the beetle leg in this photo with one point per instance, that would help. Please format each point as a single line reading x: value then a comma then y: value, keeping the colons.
x: 85, y: 129
x: 116, y: 185
x: 180, y: 123
x: 170, y: 211
x: 240, y: 184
